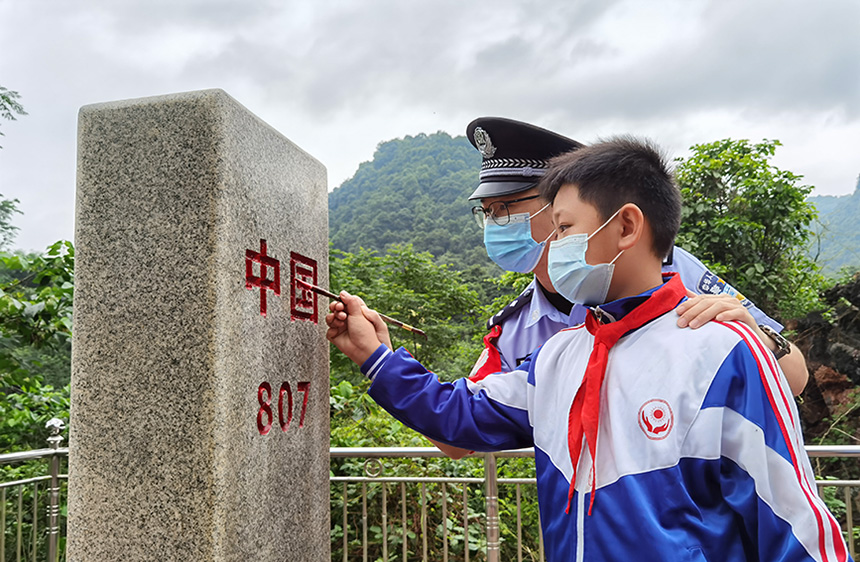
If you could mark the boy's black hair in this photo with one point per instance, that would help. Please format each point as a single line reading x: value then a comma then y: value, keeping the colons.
x: 617, y: 171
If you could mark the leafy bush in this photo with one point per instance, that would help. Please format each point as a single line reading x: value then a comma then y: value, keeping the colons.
x: 750, y: 223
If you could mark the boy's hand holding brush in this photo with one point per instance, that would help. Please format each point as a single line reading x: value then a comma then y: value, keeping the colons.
x: 354, y: 328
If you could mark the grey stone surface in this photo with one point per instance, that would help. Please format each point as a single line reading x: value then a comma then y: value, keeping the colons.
x: 166, y: 460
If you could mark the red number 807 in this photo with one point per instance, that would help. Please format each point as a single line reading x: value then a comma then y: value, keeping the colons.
x: 264, y: 397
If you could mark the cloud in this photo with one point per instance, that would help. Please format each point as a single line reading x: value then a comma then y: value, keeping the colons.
x: 762, y: 57
x: 339, y: 77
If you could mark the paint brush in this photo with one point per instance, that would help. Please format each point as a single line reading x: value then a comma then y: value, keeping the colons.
x: 387, y: 319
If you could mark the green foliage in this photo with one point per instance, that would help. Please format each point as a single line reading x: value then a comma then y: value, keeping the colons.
x: 35, y: 343
x: 415, y: 191
x: 35, y: 309
x: 508, y: 285
x: 410, y: 287
x: 9, y: 105
x: 836, y: 245
x: 750, y: 223
x: 356, y: 421
x: 8, y: 208
x: 35, y: 347
x: 24, y: 414
x: 424, y: 520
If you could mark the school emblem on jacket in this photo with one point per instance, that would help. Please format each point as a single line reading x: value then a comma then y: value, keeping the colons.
x: 656, y: 419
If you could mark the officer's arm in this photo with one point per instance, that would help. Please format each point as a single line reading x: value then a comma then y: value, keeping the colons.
x: 455, y: 453
x: 793, y: 365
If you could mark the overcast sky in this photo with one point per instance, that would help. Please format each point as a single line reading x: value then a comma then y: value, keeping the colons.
x: 338, y: 77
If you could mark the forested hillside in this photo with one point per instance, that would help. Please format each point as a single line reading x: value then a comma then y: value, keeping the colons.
x: 838, y: 244
x: 414, y: 191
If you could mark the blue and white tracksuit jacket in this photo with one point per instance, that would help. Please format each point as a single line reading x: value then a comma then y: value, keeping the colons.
x: 699, y: 448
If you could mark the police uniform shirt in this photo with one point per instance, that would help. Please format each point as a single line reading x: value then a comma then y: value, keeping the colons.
x: 699, y: 279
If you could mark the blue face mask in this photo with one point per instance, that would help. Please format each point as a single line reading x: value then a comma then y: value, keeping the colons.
x: 511, y: 246
x: 572, y: 277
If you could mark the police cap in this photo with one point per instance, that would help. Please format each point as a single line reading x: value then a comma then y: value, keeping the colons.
x: 515, y: 154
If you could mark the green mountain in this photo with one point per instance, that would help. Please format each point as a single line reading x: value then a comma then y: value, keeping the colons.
x: 415, y: 190
x: 838, y: 243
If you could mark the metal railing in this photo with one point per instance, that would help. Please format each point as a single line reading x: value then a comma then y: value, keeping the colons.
x: 373, y: 475
x: 49, y: 540
x: 490, y: 481
x: 486, y: 545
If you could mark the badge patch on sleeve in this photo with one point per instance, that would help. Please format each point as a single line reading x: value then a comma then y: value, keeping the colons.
x: 711, y: 284
x: 479, y: 364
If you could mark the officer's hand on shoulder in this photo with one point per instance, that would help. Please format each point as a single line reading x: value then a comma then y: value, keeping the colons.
x: 697, y: 310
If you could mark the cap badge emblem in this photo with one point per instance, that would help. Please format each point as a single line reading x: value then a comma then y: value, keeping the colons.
x: 483, y: 142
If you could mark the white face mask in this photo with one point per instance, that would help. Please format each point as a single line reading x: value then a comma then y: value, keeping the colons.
x: 572, y: 277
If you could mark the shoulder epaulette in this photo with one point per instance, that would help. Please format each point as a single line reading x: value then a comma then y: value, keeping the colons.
x: 506, y: 312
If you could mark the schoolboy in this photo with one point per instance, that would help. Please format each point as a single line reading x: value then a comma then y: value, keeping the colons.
x: 652, y: 442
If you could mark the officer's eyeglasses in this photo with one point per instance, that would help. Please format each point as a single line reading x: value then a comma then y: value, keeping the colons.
x: 497, y: 211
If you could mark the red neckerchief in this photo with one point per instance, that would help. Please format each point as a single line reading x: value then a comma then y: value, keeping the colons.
x: 585, y: 410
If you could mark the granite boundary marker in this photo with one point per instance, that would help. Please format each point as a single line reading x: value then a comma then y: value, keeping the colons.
x: 193, y: 218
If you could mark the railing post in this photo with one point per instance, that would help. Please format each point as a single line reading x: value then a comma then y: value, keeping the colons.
x: 56, y: 426
x: 492, y: 502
